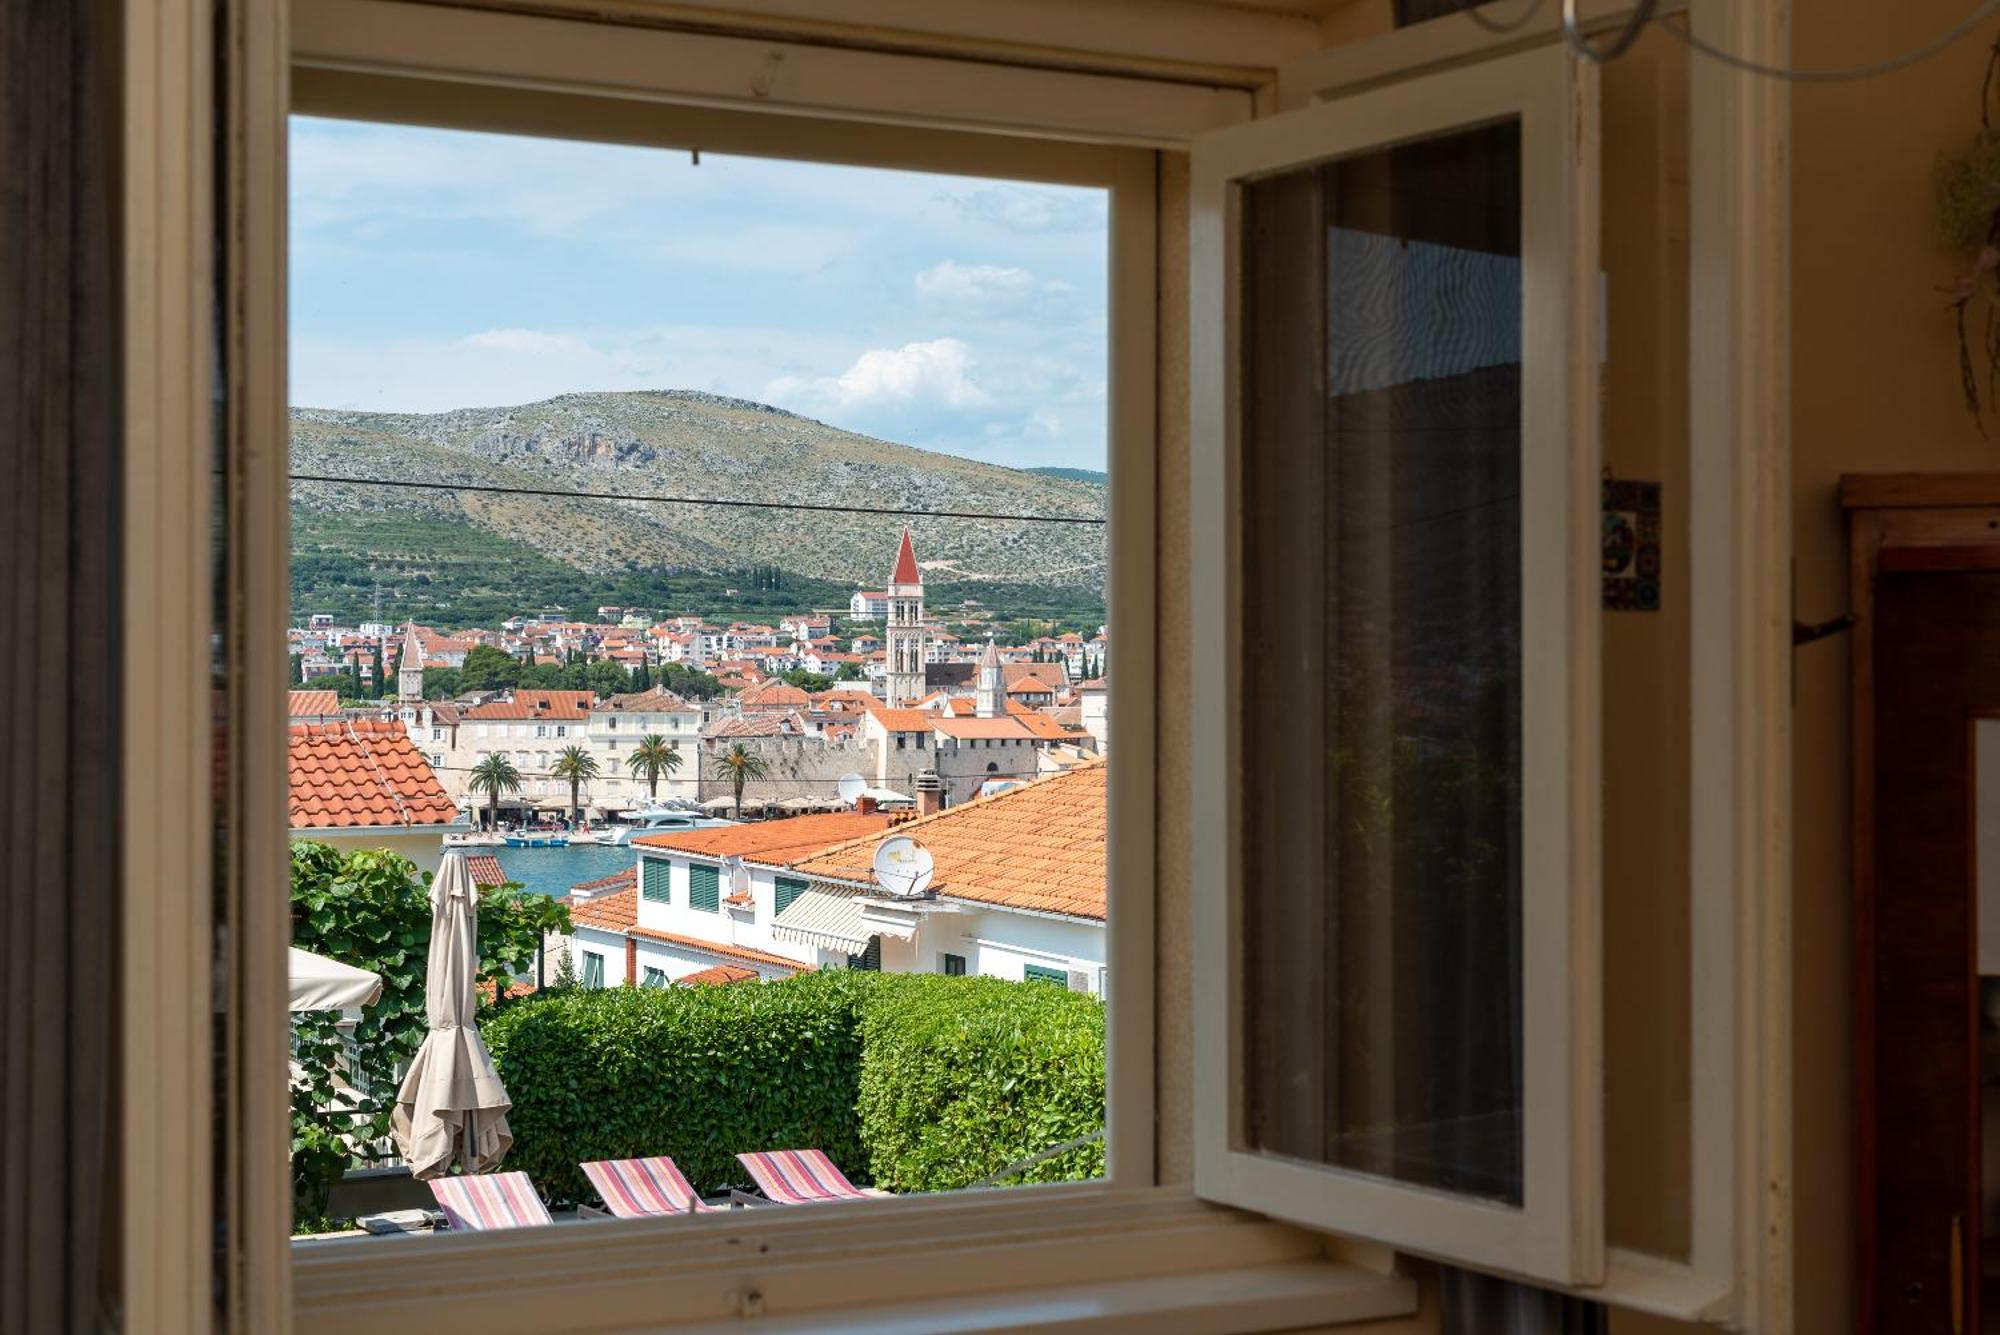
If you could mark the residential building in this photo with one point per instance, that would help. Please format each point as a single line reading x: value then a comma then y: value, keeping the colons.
x: 1017, y: 889
x: 707, y: 898
x: 363, y: 784
x: 868, y: 605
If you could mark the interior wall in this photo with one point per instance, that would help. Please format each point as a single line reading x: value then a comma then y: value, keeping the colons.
x: 1875, y: 388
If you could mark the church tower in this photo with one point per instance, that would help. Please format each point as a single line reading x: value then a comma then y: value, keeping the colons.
x: 992, y: 694
x: 410, y: 667
x: 903, y: 686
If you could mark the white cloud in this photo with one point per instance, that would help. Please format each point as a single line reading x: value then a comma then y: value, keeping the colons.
x: 986, y: 290
x: 1031, y: 209
x: 936, y: 373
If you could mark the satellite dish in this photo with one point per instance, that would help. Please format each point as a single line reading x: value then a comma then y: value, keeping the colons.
x: 739, y: 875
x: 903, y: 867
x: 852, y: 786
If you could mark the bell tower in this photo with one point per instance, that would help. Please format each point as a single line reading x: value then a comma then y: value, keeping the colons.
x: 410, y: 666
x: 904, y: 638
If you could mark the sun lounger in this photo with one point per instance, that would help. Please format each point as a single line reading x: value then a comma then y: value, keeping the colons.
x: 801, y: 1177
x: 490, y: 1201
x: 643, y: 1188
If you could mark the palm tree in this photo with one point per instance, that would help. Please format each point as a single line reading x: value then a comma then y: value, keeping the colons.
x: 652, y: 757
x: 576, y: 765
x: 494, y: 775
x: 739, y: 765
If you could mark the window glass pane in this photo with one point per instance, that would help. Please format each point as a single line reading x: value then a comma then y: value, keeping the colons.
x: 593, y: 969
x: 1381, y: 383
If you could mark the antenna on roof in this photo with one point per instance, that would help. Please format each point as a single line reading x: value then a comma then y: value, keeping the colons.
x: 852, y: 786
x: 903, y: 867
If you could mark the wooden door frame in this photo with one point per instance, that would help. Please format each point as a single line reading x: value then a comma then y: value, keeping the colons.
x: 1901, y: 523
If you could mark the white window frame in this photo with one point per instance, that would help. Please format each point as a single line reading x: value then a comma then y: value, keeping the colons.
x: 1556, y: 1233
x: 1111, y: 1245
x: 1739, y: 1268
x: 462, y: 67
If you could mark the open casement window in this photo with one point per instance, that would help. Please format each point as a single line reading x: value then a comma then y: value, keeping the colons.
x: 1395, y: 308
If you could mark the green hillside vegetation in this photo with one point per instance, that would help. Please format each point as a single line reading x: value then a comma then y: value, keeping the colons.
x: 456, y: 557
x: 456, y: 575
x: 1090, y: 475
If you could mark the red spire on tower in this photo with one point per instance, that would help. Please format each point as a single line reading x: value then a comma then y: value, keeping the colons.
x: 906, y: 571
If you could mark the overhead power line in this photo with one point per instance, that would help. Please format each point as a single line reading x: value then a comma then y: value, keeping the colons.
x: 726, y: 501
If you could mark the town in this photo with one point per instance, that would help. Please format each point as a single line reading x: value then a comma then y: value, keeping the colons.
x: 752, y: 770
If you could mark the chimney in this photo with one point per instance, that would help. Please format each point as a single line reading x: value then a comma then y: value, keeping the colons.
x: 930, y: 793
x: 864, y: 805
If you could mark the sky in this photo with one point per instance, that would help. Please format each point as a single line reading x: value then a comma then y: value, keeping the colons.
x: 437, y: 269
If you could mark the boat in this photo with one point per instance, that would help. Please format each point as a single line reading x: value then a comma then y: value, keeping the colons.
x: 532, y: 840
x: 660, y: 822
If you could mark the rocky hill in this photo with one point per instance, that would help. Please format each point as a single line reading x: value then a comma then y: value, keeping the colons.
x: 684, y: 444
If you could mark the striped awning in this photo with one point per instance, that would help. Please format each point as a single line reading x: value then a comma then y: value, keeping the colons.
x: 823, y: 916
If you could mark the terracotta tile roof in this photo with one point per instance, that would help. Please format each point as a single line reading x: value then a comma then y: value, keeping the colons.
x: 615, y: 881
x: 721, y: 973
x: 1037, y: 847
x: 619, y: 913
x: 486, y: 869
x: 1045, y: 728
x: 773, y: 842
x: 775, y: 695
x: 764, y: 725
x: 311, y: 704
x: 906, y: 571
x: 903, y: 720
x: 659, y: 700
x: 1053, y: 673
x: 563, y: 706
x: 362, y: 774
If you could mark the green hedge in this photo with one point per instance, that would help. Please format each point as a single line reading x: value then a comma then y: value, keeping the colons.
x: 914, y: 1082
x: 962, y: 1076
x: 699, y: 1073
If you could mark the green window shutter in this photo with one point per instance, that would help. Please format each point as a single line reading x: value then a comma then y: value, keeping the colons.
x: 789, y: 889
x: 1041, y: 973
x: 870, y: 959
x: 654, y: 884
x: 653, y: 977
x: 954, y: 966
x: 704, y: 888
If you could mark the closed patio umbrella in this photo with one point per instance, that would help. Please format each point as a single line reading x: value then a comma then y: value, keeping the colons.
x: 452, y: 1106
x: 321, y: 984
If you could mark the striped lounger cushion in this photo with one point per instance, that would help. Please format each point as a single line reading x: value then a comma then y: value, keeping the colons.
x: 797, y: 1177
x: 491, y: 1200
x: 641, y: 1188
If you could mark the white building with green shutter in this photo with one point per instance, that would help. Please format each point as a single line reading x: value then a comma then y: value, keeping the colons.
x: 704, y: 900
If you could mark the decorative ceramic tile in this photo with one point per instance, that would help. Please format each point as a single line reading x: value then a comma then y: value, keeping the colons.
x: 1631, y: 545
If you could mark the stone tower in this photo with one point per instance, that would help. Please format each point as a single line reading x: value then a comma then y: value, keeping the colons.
x: 904, y: 638
x: 410, y: 666
x: 992, y: 696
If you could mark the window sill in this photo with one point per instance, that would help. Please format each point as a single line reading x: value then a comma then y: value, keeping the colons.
x: 1048, y: 1259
